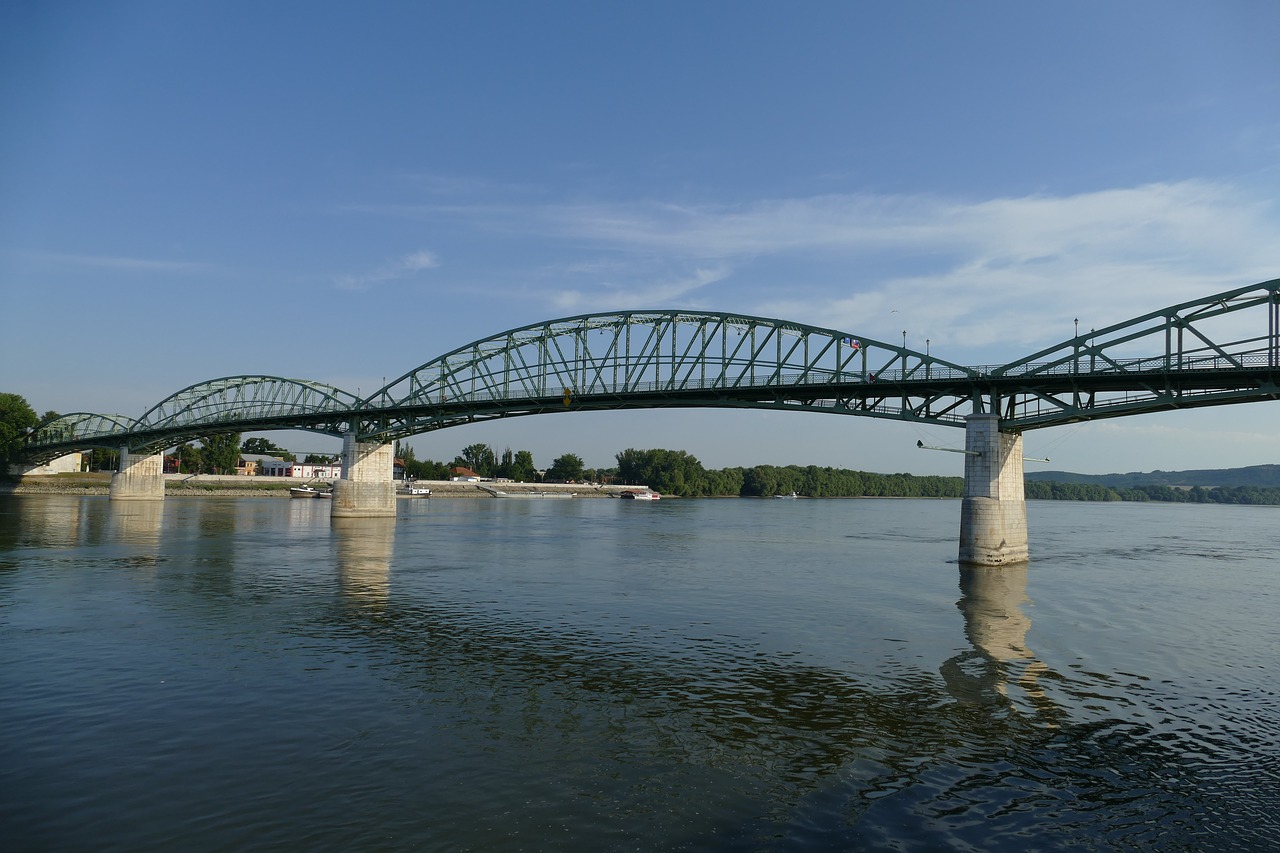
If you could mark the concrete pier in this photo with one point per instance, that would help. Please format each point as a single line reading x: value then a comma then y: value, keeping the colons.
x: 367, y: 488
x: 993, y: 513
x: 139, y: 478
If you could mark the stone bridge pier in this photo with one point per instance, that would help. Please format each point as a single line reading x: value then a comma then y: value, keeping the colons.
x: 993, y: 513
x: 140, y: 477
x: 367, y: 488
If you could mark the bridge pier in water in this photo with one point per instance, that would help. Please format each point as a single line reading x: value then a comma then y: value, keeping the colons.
x: 367, y: 488
x: 993, y: 512
x: 140, y: 477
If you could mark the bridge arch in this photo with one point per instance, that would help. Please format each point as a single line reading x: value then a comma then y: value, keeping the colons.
x: 76, y: 431
x: 647, y: 359
x: 248, y: 403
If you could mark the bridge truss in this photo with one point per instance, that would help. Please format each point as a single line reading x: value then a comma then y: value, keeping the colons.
x: 1217, y: 350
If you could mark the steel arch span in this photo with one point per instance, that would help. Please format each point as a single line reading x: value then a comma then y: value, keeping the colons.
x: 230, y: 404
x: 76, y: 431
x: 245, y: 404
x: 655, y: 359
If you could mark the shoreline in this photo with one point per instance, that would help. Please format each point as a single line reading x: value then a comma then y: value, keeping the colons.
x: 212, y: 486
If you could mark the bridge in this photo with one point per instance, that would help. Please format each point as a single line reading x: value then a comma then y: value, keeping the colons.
x: 1218, y: 350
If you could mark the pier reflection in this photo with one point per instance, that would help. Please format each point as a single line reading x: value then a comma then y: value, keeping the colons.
x: 137, y: 522
x: 996, y: 624
x: 364, y: 549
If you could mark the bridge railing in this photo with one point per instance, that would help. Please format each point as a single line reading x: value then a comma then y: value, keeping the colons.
x: 1092, y: 363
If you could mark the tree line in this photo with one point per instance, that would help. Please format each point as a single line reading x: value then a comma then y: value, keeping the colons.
x: 1056, y: 491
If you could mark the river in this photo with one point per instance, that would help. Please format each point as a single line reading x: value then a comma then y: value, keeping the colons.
x: 738, y: 675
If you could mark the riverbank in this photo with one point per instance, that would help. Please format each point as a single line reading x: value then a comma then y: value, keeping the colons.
x: 209, y: 485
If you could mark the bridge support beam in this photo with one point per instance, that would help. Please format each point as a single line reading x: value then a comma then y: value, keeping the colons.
x: 140, y: 477
x: 993, y: 514
x: 367, y: 488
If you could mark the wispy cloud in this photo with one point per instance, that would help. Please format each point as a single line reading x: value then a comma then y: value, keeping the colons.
x: 1013, y: 271
x: 402, y: 267
x: 120, y: 263
x: 1007, y: 270
x: 659, y: 293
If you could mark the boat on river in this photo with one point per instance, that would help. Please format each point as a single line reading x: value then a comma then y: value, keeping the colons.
x: 789, y: 497
x: 309, y: 492
x: 640, y: 496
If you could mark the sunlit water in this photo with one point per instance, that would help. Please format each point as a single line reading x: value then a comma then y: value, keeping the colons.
x: 246, y: 674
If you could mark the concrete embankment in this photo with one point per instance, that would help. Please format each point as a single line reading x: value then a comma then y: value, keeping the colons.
x: 208, y: 485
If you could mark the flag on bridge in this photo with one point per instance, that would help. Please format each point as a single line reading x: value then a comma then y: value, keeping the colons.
x: 852, y: 343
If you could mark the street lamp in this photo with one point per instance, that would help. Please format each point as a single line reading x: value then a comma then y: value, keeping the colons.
x: 1075, y: 345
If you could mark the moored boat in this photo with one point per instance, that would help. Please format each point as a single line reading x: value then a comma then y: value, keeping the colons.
x: 302, y: 492
x: 640, y: 496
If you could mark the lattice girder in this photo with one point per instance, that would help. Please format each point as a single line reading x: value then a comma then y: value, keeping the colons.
x: 77, y: 431
x: 247, y: 400
x: 636, y: 358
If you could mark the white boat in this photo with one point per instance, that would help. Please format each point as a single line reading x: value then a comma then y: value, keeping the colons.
x: 640, y: 496
x: 789, y: 497
x: 416, y: 491
x: 302, y: 492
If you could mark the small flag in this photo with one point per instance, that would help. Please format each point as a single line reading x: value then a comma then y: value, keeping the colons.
x: 852, y: 343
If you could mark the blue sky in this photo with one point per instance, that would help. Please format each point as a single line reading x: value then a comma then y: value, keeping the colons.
x: 341, y: 192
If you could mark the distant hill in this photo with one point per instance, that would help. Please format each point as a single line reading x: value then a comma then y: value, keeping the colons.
x: 1254, y: 475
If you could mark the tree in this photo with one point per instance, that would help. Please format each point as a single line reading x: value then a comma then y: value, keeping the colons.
x: 420, y: 469
x: 265, y: 447
x: 104, y: 459
x: 566, y: 468
x: 16, y: 418
x: 671, y: 471
x: 479, y: 458
x: 516, y: 466
x: 522, y: 469
x: 221, y: 453
x: 190, y: 458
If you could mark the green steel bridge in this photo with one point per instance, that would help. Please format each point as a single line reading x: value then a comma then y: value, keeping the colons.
x: 1213, y: 351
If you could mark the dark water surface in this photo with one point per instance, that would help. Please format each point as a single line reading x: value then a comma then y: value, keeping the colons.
x: 246, y: 674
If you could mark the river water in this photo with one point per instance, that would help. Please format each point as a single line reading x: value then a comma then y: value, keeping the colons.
x: 248, y: 674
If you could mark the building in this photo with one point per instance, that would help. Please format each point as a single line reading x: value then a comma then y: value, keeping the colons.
x: 250, y: 464
x: 304, y: 470
x: 72, y: 463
